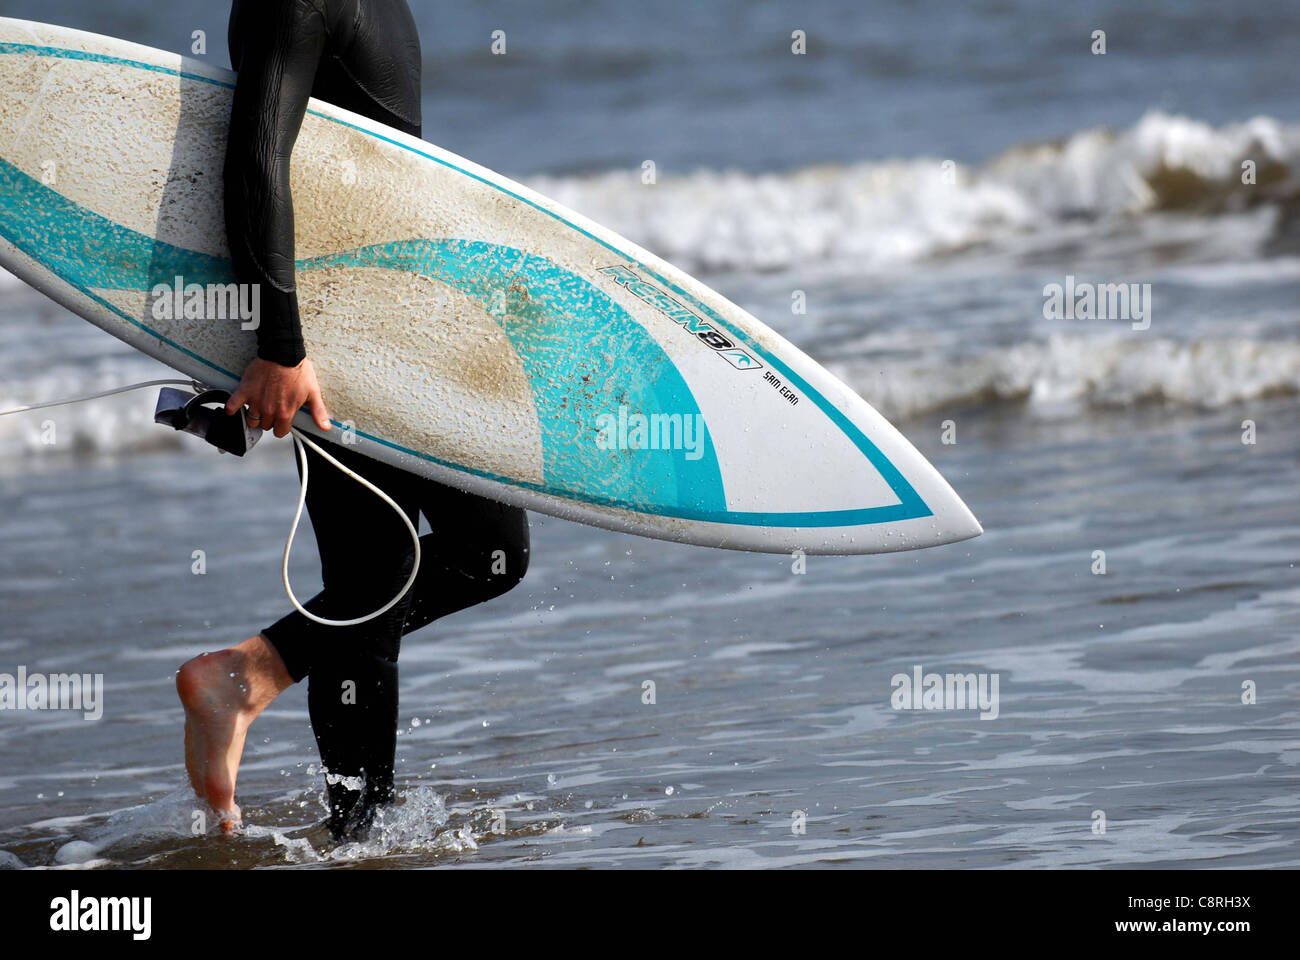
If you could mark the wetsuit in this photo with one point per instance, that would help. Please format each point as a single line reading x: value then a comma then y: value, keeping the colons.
x: 363, y: 55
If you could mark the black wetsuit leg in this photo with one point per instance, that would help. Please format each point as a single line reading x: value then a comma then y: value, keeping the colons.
x: 477, y: 549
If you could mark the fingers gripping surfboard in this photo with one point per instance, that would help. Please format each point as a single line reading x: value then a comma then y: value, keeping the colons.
x: 462, y: 326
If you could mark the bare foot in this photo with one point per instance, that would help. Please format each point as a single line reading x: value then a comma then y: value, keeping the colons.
x: 223, y: 693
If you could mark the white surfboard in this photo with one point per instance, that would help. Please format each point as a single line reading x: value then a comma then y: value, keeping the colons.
x: 462, y: 326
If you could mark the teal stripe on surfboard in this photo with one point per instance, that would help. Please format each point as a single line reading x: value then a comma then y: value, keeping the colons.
x: 563, y: 330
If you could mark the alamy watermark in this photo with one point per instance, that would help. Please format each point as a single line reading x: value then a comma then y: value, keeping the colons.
x: 53, y: 691
x: 946, y: 691
x: 1080, y: 300
x: 179, y: 300
x: 80, y: 914
x: 626, y: 430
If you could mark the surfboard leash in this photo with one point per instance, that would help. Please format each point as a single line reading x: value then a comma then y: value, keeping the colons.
x: 187, y: 413
x: 301, y: 442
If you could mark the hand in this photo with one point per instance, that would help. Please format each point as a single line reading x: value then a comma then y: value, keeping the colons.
x: 275, y: 393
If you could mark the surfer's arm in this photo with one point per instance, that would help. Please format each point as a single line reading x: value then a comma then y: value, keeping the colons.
x: 282, y: 44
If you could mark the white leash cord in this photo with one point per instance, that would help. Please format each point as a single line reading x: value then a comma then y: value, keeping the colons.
x: 299, y: 439
x: 95, y: 396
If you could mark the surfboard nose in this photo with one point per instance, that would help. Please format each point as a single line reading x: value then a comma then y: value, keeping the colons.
x: 954, y: 521
x: 964, y: 525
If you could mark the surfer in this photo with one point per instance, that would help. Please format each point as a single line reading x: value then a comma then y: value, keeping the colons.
x: 363, y: 55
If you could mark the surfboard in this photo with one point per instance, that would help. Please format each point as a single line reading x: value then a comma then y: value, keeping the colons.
x: 463, y: 327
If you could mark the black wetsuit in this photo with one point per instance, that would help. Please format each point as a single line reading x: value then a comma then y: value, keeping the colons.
x: 363, y: 55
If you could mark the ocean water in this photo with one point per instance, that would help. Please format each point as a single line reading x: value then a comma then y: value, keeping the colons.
x: 772, y: 740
